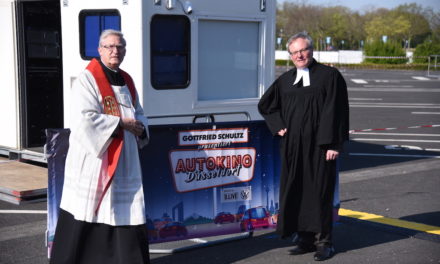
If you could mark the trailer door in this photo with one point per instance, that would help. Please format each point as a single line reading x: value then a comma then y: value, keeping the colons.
x: 40, y: 67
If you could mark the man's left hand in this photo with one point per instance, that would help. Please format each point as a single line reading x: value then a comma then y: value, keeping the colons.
x: 331, y: 155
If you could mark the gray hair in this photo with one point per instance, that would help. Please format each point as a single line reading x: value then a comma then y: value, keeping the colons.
x: 303, y: 35
x: 108, y: 32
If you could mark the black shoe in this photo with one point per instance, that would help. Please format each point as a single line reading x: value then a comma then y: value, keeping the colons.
x: 323, y: 253
x: 301, y: 249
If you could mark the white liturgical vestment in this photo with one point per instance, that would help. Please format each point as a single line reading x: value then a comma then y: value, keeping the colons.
x: 91, y: 131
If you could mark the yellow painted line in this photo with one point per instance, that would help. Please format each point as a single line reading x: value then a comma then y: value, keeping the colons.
x: 390, y: 221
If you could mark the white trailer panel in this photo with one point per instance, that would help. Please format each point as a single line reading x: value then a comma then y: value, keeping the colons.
x: 9, y: 119
x: 231, y: 49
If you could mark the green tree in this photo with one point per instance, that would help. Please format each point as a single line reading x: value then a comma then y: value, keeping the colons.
x: 357, y: 34
x: 391, y: 24
x: 424, y: 50
x: 338, y: 26
x: 409, y: 23
x: 434, y: 23
x: 338, y: 22
x: 419, y: 28
x: 378, y: 48
x: 296, y: 18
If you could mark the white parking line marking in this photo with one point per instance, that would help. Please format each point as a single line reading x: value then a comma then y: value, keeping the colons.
x: 424, y: 126
x: 394, y: 140
x: 359, y: 81
x: 392, y: 106
x: 379, y: 172
x: 372, y: 88
x: 419, y: 104
x: 396, y: 134
x: 420, y: 78
x: 365, y: 99
x: 23, y: 212
x: 393, y: 155
x: 431, y: 149
x: 388, y: 86
x: 425, y: 113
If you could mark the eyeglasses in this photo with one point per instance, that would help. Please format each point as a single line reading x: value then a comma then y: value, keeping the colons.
x: 113, y: 47
x: 301, y: 51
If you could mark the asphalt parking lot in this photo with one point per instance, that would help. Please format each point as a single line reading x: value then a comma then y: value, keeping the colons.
x: 389, y: 187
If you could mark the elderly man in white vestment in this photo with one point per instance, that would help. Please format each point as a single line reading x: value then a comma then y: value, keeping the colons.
x: 102, y: 215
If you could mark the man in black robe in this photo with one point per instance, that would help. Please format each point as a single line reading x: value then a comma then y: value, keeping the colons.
x: 308, y: 108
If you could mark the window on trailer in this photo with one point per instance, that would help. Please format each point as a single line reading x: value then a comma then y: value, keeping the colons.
x: 170, y: 52
x: 91, y: 24
x: 228, y: 59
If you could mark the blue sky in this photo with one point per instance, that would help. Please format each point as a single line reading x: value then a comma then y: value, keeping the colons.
x: 364, y: 5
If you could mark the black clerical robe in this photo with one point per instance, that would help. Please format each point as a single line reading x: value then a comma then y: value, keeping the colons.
x: 316, y: 118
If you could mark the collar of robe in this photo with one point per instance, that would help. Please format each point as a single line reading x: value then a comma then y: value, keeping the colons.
x: 304, y: 74
x: 113, y: 76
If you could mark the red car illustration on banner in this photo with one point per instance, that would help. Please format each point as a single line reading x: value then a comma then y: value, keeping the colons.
x: 173, y: 229
x: 255, y: 218
x: 224, y: 217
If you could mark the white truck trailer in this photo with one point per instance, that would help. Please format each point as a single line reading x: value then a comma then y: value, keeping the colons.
x: 189, y: 59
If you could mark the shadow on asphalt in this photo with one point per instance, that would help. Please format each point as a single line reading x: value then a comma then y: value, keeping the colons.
x: 349, y: 236
x: 431, y: 218
x: 228, y: 252
x: 364, y: 233
x: 352, y: 234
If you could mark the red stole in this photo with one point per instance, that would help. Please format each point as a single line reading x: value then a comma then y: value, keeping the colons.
x: 111, y: 107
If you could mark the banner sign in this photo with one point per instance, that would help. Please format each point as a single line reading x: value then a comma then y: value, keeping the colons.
x: 204, y: 177
x: 196, y: 170
x: 199, y: 180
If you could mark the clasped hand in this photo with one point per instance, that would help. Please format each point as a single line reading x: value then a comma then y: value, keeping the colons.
x: 134, y: 126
